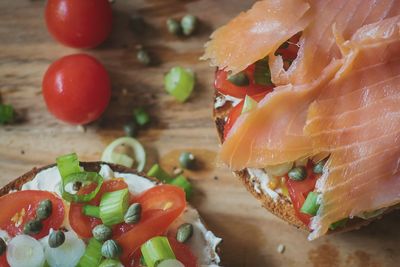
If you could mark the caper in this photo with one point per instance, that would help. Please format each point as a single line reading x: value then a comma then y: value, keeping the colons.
x: 131, y: 129
x: 56, y: 239
x: 298, y: 173
x: 319, y: 167
x: 185, y: 231
x: 44, y: 209
x: 102, y: 232
x: 110, y: 249
x: 143, y: 57
x: 239, y: 79
x: 187, y: 160
x: 33, y: 227
x: 3, y: 246
x: 188, y: 24
x: 133, y: 213
x: 173, y: 26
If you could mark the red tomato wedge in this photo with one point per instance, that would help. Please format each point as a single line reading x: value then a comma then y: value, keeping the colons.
x: 83, y: 224
x: 225, y: 87
x: 20, y: 207
x: 237, y: 110
x: 3, y: 261
x: 298, y: 191
x: 161, y: 205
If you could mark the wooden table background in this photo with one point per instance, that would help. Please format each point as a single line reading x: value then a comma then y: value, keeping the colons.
x: 250, y: 234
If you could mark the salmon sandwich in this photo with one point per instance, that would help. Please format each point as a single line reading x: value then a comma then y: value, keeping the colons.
x: 100, y: 214
x: 307, y: 106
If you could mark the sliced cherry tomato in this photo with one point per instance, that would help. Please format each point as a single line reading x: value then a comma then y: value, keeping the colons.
x: 80, y: 24
x: 298, y: 191
x: 76, y: 88
x: 225, y: 87
x: 237, y: 110
x: 161, y: 205
x: 3, y: 261
x: 83, y: 224
x: 20, y: 207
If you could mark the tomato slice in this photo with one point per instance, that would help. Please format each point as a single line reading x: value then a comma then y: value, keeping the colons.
x: 298, y: 191
x: 20, y: 207
x: 83, y: 224
x: 161, y: 205
x: 237, y: 110
x: 3, y: 261
x: 225, y: 87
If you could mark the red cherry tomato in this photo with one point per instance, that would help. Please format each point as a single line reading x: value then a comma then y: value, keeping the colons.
x: 83, y: 224
x: 237, y: 110
x: 161, y: 205
x: 76, y: 89
x: 225, y: 87
x: 20, y: 207
x: 298, y: 191
x: 77, y: 23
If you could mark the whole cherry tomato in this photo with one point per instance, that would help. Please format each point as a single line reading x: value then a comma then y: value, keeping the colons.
x: 77, y: 23
x: 76, y: 89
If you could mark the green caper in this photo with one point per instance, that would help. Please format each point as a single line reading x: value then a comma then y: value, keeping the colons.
x: 185, y: 231
x: 102, y: 232
x: 133, y: 213
x: 110, y: 249
x: 188, y: 24
x: 187, y: 160
x: 319, y: 167
x: 44, y: 209
x: 239, y: 79
x: 131, y: 129
x: 143, y: 57
x: 56, y: 239
x: 33, y: 227
x: 173, y: 26
x: 3, y: 246
x: 298, y: 173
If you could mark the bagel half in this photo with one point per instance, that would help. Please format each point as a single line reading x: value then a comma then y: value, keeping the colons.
x: 281, y: 207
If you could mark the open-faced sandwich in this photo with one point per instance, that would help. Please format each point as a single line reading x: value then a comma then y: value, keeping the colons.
x: 308, y: 111
x: 98, y: 214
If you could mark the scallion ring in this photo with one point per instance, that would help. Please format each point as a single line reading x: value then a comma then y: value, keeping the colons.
x: 110, y: 156
x: 157, y: 250
x: 84, y: 178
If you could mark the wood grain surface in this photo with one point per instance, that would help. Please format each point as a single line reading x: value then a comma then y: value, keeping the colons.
x: 250, y: 234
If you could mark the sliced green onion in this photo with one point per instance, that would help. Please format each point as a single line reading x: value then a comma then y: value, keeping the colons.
x: 249, y: 104
x: 159, y: 173
x: 84, y: 178
x: 141, y: 116
x: 262, y: 73
x: 6, y: 114
x: 179, y: 82
x: 92, y: 211
x: 138, y: 150
x: 113, y: 206
x: 183, y: 183
x: 68, y: 164
x: 110, y: 263
x: 338, y: 224
x: 122, y: 159
x: 92, y: 256
x: 310, y: 206
x: 156, y: 250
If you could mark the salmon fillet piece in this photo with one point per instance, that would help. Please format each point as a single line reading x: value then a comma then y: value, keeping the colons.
x: 356, y: 118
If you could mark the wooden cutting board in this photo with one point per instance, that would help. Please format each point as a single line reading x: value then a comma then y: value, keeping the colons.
x: 251, y: 235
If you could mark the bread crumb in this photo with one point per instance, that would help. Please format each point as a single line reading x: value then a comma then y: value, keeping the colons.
x: 280, y: 249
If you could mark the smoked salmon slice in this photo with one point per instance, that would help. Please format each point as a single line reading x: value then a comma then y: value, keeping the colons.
x: 340, y: 96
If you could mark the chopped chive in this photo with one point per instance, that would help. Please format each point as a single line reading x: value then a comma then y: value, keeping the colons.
x: 338, y: 224
x: 92, y: 211
x: 113, y: 206
x: 159, y: 173
x: 179, y: 82
x: 310, y: 206
x: 141, y: 116
x: 6, y: 114
x: 183, y: 183
x: 156, y: 250
x: 92, y: 255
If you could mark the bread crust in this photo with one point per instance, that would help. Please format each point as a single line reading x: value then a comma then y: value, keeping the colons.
x: 282, y: 207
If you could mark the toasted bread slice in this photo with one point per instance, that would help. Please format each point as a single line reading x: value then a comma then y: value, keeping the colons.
x: 281, y: 207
